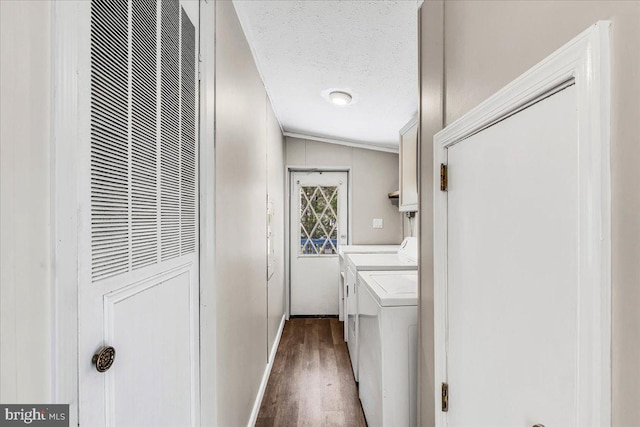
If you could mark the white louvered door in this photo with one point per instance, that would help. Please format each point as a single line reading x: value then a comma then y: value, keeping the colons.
x: 138, y: 260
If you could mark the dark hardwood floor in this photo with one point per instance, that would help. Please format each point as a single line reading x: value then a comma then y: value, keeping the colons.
x: 311, y: 382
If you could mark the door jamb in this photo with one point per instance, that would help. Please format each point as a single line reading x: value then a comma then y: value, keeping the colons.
x: 586, y: 61
x: 67, y: 27
x: 207, y: 209
x: 289, y: 169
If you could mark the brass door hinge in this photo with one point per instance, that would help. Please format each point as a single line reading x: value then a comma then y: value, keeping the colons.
x: 444, y: 177
x: 445, y: 397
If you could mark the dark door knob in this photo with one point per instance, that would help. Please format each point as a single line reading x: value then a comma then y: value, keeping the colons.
x: 104, y: 358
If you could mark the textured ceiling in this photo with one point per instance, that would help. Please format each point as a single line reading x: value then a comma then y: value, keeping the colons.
x: 304, y: 48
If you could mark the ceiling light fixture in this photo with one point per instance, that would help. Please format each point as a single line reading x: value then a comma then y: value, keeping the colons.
x: 340, y: 98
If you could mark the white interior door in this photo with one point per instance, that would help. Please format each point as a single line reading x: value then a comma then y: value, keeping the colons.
x: 512, y: 287
x: 319, y: 221
x: 139, y: 288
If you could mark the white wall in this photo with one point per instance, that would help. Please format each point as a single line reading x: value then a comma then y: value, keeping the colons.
x: 246, y: 137
x: 374, y: 174
x: 486, y: 45
x: 25, y: 259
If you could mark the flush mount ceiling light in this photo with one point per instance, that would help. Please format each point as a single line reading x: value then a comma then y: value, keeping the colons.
x: 342, y: 96
x: 339, y: 97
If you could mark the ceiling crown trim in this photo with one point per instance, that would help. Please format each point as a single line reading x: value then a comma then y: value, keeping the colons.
x: 354, y: 144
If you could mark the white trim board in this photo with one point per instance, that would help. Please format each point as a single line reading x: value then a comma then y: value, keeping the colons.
x: 585, y: 60
x: 67, y: 26
x: 265, y: 377
x: 207, y: 185
x: 354, y: 144
x: 409, y: 124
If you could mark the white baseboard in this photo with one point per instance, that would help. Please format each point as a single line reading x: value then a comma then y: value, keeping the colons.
x: 265, y: 377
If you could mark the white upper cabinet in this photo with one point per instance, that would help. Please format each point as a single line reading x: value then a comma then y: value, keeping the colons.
x: 409, y: 167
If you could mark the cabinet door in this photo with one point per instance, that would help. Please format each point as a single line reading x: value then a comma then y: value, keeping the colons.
x: 409, y: 167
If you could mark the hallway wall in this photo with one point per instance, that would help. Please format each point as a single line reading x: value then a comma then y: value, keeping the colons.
x: 487, y: 44
x: 431, y: 121
x: 25, y: 213
x: 277, y: 195
x: 247, y: 135
x: 374, y: 174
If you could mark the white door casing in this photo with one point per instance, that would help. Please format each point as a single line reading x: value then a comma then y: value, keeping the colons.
x: 321, y: 198
x: 138, y: 283
x: 584, y: 62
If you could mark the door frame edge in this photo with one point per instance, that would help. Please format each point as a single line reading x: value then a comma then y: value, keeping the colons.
x: 207, y: 212
x: 67, y: 28
x: 585, y: 60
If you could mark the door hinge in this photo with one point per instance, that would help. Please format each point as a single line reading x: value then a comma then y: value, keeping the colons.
x: 445, y: 397
x: 444, y: 177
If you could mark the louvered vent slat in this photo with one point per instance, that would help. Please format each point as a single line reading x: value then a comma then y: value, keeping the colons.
x: 109, y: 138
x: 143, y: 148
x: 188, y: 130
x: 144, y: 209
x: 170, y: 131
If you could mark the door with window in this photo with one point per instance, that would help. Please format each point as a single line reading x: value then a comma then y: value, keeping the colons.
x: 319, y: 218
x: 138, y: 237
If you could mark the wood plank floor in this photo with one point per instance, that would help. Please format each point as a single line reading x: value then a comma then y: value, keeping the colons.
x: 311, y: 382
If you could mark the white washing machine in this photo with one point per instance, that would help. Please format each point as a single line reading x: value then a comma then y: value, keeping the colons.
x: 388, y: 357
x: 404, y: 259
x: 356, y: 249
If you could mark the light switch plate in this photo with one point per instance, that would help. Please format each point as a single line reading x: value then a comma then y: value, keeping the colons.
x: 377, y: 223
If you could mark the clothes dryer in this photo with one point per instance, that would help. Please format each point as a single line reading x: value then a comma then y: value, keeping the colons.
x: 388, y: 317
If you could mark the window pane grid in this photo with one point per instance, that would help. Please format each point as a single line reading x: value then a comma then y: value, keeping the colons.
x: 318, y: 220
